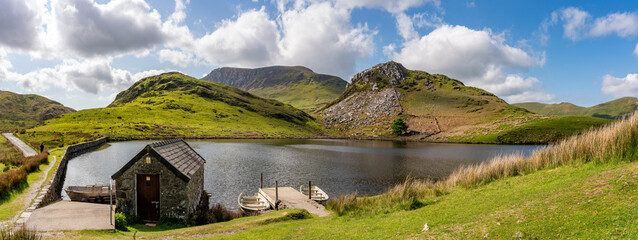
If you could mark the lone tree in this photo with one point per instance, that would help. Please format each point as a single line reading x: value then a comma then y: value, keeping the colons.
x: 399, y: 127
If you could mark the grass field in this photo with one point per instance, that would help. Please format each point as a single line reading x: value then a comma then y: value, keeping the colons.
x: 613, y: 109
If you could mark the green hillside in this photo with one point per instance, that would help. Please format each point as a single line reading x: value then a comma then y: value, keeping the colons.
x: 24, y: 111
x: 173, y: 104
x: 297, y: 86
x: 611, y: 110
x: 437, y: 108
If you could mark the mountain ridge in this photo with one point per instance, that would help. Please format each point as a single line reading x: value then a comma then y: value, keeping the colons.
x: 613, y: 109
x: 27, y: 110
x: 295, y: 85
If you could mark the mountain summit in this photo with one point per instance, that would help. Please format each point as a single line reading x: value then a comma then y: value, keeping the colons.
x: 297, y: 86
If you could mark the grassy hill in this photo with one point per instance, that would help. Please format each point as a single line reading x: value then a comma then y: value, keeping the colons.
x: 297, y: 86
x: 25, y: 111
x: 582, y: 188
x: 173, y: 104
x: 437, y: 108
x: 611, y: 110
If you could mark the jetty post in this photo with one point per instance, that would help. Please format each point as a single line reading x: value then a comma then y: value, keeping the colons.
x: 261, y: 180
x: 310, y: 190
x: 276, y: 195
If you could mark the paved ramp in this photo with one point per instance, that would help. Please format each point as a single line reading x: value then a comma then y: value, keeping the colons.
x: 292, y: 198
x: 26, y: 150
x: 68, y: 215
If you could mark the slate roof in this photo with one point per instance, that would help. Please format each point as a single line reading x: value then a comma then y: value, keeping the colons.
x: 176, y: 154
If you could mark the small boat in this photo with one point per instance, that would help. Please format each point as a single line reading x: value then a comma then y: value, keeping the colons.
x: 317, y: 194
x: 95, y: 193
x: 251, y: 204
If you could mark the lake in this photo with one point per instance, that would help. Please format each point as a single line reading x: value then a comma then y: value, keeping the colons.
x: 339, y: 167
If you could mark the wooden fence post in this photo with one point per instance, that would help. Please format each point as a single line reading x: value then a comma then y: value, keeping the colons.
x: 276, y: 195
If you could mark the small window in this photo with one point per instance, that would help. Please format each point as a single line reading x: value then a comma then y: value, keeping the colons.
x: 148, y: 160
x: 148, y: 181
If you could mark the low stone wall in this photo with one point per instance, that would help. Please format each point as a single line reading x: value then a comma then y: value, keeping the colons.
x: 53, y: 192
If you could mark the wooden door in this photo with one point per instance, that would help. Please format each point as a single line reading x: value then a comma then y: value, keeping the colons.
x: 148, y: 197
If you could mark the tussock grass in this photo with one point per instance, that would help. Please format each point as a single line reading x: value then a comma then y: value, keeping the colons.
x: 21, y: 233
x: 614, y: 142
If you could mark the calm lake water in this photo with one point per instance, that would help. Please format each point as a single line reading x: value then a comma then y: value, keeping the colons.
x: 337, y: 166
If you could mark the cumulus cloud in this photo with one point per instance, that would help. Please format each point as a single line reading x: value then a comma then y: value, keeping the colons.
x: 476, y: 57
x: 178, y: 58
x: 622, y: 24
x: 579, y: 24
x: 117, y: 27
x: 318, y: 35
x: 251, y: 40
x: 20, y: 23
x: 636, y: 50
x: 321, y: 37
x: 620, y: 87
x: 89, y: 76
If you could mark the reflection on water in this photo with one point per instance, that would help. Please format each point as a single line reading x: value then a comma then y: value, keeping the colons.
x: 337, y: 166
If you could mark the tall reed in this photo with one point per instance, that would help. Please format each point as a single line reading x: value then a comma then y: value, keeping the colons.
x: 616, y: 141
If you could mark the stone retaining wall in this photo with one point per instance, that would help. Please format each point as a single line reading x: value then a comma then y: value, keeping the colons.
x: 51, y: 192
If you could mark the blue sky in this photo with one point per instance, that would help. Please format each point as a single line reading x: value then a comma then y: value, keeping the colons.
x: 83, y: 52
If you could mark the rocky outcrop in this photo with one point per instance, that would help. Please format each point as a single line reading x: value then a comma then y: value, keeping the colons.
x: 370, y: 101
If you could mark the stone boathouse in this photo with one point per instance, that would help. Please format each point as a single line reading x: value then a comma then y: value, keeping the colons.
x: 165, y: 179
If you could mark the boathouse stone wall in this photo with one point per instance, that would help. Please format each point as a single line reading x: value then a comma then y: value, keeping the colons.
x: 53, y: 191
x: 177, y: 197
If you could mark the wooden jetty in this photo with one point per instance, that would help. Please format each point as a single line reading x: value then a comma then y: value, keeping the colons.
x: 291, y: 198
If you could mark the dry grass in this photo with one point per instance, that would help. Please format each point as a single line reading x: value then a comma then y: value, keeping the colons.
x: 21, y: 233
x: 616, y: 141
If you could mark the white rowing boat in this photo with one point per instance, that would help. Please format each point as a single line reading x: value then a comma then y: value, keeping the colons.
x: 317, y: 194
x: 254, y: 203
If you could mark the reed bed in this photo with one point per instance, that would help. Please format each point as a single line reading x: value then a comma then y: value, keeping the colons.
x: 614, y: 142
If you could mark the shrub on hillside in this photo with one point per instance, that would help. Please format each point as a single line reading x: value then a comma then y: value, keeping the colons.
x: 399, y: 127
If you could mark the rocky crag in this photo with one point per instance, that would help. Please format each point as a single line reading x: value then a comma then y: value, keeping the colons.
x: 430, y: 103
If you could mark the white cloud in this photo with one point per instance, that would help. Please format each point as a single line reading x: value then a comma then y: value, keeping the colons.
x: 117, y: 27
x: 317, y: 35
x: 250, y: 40
x: 321, y: 37
x: 578, y: 24
x: 636, y: 50
x: 406, y: 27
x: 20, y: 23
x: 90, y: 76
x: 178, y: 58
x: 574, y: 22
x: 392, y: 6
x: 622, y: 24
x: 476, y: 57
x: 620, y: 87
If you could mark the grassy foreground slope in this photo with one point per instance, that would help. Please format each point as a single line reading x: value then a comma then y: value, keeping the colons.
x: 297, y: 86
x: 584, y: 187
x: 611, y: 110
x: 173, y: 104
x: 25, y: 111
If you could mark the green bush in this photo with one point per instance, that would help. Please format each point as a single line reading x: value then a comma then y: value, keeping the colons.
x: 120, y: 221
x: 399, y: 127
